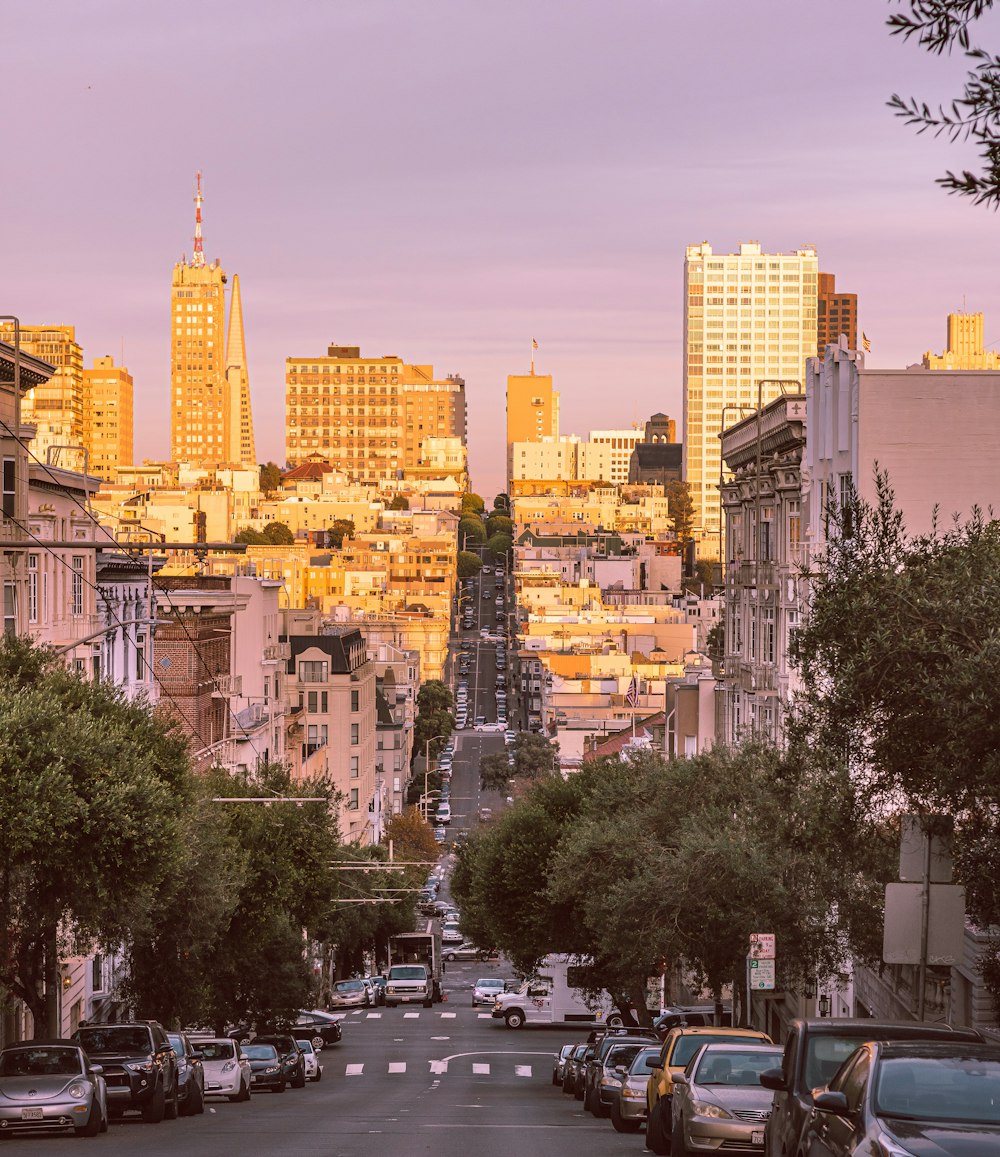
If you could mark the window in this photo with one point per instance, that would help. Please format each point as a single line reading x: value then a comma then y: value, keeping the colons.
x: 767, y: 635
x: 355, y: 767
x: 312, y: 702
x: 355, y: 700
x: 313, y: 672
x: 354, y: 734
x: 353, y: 801
x: 77, y: 595
x: 140, y: 658
x: 9, y: 488
x: 9, y: 609
x: 32, y: 588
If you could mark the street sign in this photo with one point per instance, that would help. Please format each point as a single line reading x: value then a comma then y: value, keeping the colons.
x: 945, y: 924
x: 762, y: 946
x: 761, y: 974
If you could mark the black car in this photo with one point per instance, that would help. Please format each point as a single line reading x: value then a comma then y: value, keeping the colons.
x: 139, y: 1066
x: 320, y: 1027
x: 594, y: 1070
x: 902, y: 1098
x: 265, y: 1064
x: 190, y: 1075
x: 293, y: 1063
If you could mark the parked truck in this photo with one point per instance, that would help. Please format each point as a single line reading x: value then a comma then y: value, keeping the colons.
x: 414, y: 972
x: 551, y: 996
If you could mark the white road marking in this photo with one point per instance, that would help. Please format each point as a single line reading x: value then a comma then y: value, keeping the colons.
x: 448, y: 1015
x: 354, y: 1070
x: 522, y: 1070
x: 397, y: 1066
x: 484, y: 1070
x: 439, y: 1066
x: 373, y: 1016
x: 410, y: 1015
x: 440, y: 1038
x: 485, y: 1016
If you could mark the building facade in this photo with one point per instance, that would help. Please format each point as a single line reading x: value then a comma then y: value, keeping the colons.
x: 56, y: 408
x: 836, y: 314
x: 108, y: 390
x: 620, y: 444
x: 374, y: 418
x: 532, y: 411
x: 749, y: 323
x: 965, y: 349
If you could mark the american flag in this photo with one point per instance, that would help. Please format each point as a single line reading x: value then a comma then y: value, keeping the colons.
x: 632, y: 694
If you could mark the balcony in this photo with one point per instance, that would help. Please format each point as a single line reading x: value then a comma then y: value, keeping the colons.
x: 277, y: 652
x: 227, y: 686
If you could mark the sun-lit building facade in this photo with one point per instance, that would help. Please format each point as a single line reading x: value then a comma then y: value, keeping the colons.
x: 57, y: 407
x: 109, y: 392
x: 966, y: 349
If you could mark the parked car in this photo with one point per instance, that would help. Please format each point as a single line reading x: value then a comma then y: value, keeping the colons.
x: 51, y: 1085
x: 451, y: 935
x: 321, y: 1028
x: 190, y: 1075
x: 443, y: 814
x: 578, y: 1067
x: 139, y: 1067
x: 628, y: 1104
x: 266, y: 1067
x: 485, y: 990
x: 559, y: 1063
x: 465, y: 951
x: 314, y: 1070
x: 900, y: 1098
x: 718, y: 1101
x: 694, y: 1015
x: 612, y: 1048
x: 815, y: 1048
x: 225, y: 1066
x: 378, y: 983
x: 440, y: 835
x: 350, y: 994
x: 679, y: 1046
x: 293, y: 1065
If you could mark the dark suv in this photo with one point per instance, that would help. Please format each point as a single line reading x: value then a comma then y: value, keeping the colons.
x: 595, y: 1069
x: 139, y: 1066
x: 814, y: 1050
x: 293, y: 1063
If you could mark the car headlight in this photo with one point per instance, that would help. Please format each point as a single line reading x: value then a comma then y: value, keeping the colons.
x: 141, y: 1067
x: 229, y: 1066
x: 610, y: 1082
x: 707, y: 1109
x: 272, y: 1069
x: 633, y: 1094
x: 78, y: 1090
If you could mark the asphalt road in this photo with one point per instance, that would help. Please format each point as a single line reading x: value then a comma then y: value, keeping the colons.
x: 403, y: 1082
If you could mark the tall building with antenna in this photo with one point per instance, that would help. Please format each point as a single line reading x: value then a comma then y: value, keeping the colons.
x: 210, y: 419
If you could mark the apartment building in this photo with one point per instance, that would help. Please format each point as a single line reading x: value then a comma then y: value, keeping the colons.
x: 397, y: 681
x: 56, y: 406
x: 836, y: 314
x: 965, y: 349
x: 108, y: 390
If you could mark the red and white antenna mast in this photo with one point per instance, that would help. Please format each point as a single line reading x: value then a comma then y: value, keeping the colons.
x: 199, y: 254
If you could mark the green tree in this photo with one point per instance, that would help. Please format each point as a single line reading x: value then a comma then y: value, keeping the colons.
x: 534, y: 755
x: 499, y: 524
x: 680, y: 507
x: 338, y: 530
x: 434, y: 696
x: 92, y: 790
x: 270, y: 478
x: 469, y: 564
x: 250, y: 536
x: 471, y: 529
x: 502, y: 503
x: 472, y: 504
x: 494, y: 771
x: 500, y: 546
x: 278, y: 534
x: 433, y: 726
x: 400, y: 502
x: 938, y: 26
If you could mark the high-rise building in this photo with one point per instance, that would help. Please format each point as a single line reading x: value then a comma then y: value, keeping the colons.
x: 210, y: 421
x: 108, y: 393
x: 836, y: 314
x: 240, y: 447
x: 620, y: 444
x: 372, y: 417
x: 532, y: 410
x: 965, y: 350
x: 749, y: 318
x: 56, y: 408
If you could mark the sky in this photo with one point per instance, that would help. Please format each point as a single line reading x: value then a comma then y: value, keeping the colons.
x: 447, y: 179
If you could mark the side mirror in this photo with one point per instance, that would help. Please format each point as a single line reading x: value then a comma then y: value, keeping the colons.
x: 652, y: 1063
x: 95, y: 1069
x: 831, y: 1103
x: 197, y: 1054
x: 773, y: 1079
x: 680, y: 1079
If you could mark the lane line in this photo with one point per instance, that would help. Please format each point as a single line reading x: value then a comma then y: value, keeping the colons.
x: 397, y: 1066
x: 481, y: 1070
x: 522, y: 1070
x: 354, y: 1070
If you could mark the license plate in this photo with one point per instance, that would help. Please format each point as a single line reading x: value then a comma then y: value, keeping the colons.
x: 757, y: 1137
x: 31, y: 1114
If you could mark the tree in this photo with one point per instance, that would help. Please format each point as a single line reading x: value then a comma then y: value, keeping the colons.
x: 469, y: 564
x: 534, y: 755
x: 939, y: 26
x: 250, y: 536
x: 412, y: 839
x: 338, y: 530
x: 400, y: 502
x: 502, y: 503
x: 92, y: 790
x: 278, y: 534
x: 434, y: 696
x: 472, y: 504
x: 471, y: 529
x: 270, y: 478
x: 499, y: 524
x: 680, y: 507
x: 494, y: 771
x: 434, y: 726
x: 500, y: 546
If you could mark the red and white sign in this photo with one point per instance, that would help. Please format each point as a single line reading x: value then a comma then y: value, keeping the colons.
x: 762, y: 946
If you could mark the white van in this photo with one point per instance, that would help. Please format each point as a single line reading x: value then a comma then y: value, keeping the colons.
x: 551, y: 997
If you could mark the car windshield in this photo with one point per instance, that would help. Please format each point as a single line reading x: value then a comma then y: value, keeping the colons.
x: 687, y: 1046
x: 735, y: 1066
x: 216, y: 1050
x: 40, y: 1062
x: 177, y: 1044
x: 497, y: 984
x: 348, y: 986
x: 824, y: 1055
x: 621, y: 1055
x: 638, y: 1066
x: 408, y: 972
x: 957, y: 1088
x: 261, y: 1052
x: 114, y: 1039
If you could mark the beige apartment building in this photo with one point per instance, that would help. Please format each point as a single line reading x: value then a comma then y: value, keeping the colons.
x: 56, y: 408
x: 620, y: 444
x: 965, y: 349
x: 108, y: 391
x: 372, y: 418
x: 749, y: 318
x: 532, y: 411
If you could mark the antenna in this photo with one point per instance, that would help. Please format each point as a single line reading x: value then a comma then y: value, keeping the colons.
x: 198, y: 259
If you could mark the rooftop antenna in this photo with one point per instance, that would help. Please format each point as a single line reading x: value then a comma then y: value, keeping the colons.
x: 198, y: 260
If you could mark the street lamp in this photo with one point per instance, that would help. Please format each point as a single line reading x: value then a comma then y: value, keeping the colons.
x: 427, y: 767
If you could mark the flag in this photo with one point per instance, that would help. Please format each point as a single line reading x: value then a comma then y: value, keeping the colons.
x: 534, y: 344
x: 865, y: 343
x: 632, y: 694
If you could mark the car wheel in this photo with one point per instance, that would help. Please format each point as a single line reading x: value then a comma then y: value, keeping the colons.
x: 299, y: 1080
x: 514, y: 1018
x: 317, y: 1042
x: 567, y: 1087
x: 197, y: 1101
x: 657, y: 1138
x: 450, y: 957
x: 621, y: 1125
x: 172, y: 1108
x: 93, y: 1125
x: 318, y: 1077
x: 280, y: 1088
x: 155, y: 1107
x: 556, y: 1079
x: 104, y: 1123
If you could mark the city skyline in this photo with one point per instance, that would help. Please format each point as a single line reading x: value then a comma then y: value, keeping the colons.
x: 450, y: 215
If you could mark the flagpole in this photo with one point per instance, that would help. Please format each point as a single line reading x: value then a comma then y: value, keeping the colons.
x: 532, y: 357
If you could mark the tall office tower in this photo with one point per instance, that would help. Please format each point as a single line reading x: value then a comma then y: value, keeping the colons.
x: 108, y: 390
x: 56, y: 408
x: 372, y: 417
x: 749, y: 317
x: 836, y: 314
x: 532, y: 411
x: 620, y: 444
x: 966, y: 350
x: 206, y: 422
x: 240, y: 442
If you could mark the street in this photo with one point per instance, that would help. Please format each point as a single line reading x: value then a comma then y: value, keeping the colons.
x: 402, y: 1082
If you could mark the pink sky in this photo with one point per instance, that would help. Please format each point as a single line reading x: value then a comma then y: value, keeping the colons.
x: 446, y: 179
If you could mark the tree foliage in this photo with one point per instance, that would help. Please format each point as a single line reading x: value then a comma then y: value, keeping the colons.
x: 939, y: 26
x: 500, y: 546
x: 472, y: 504
x: 270, y: 478
x: 273, y: 534
x: 471, y: 529
x: 338, y: 530
x: 494, y: 771
x: 469, y: 564
x: 434, y: 695
x: 400, y: 502
x: 534, y: 755
x: 499, y: 524
x: 680, y: 509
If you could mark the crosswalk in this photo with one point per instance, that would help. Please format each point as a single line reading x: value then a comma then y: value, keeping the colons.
x: 433, y: 1068
x: 362, y: 1014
